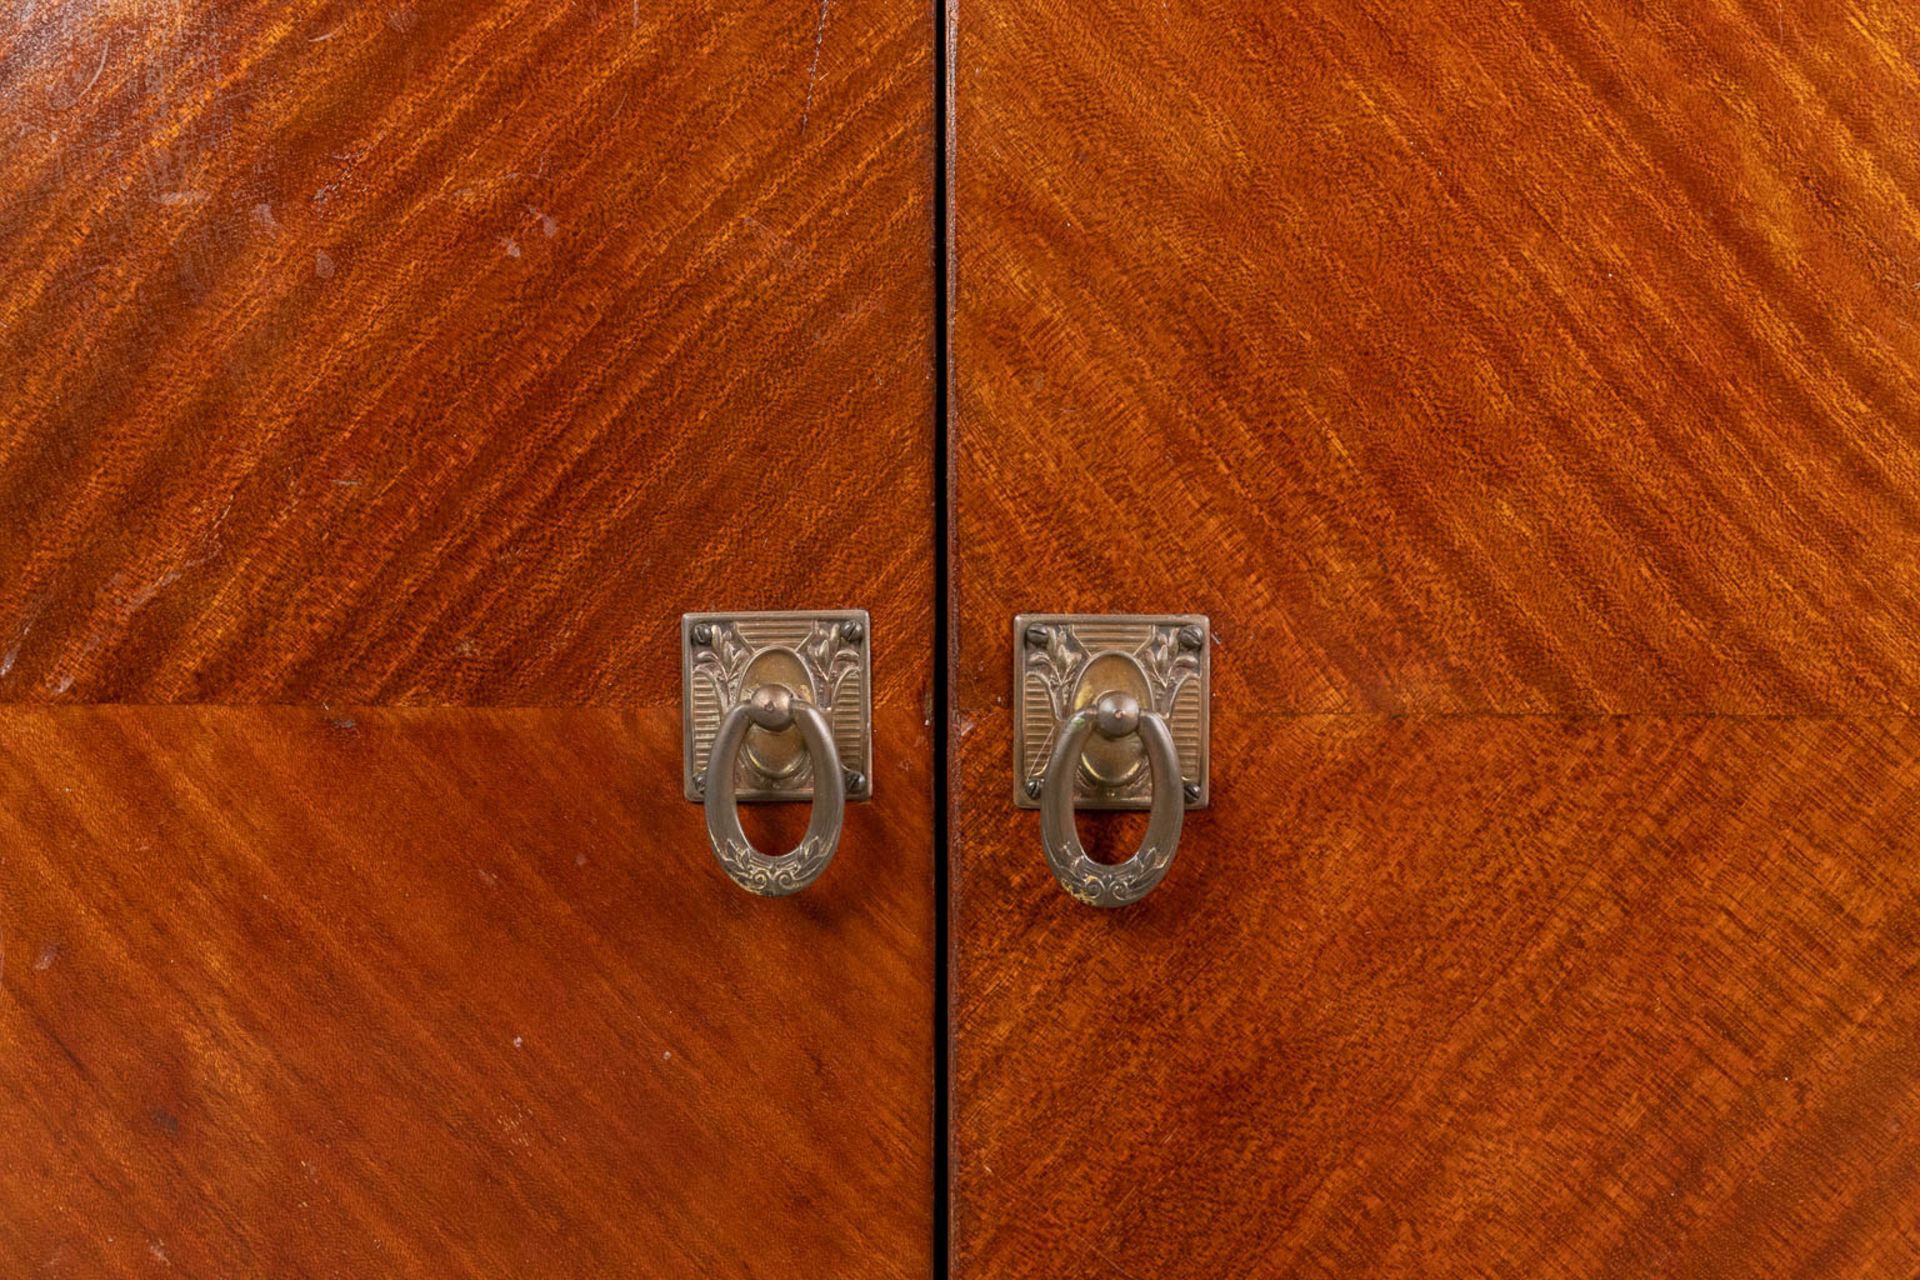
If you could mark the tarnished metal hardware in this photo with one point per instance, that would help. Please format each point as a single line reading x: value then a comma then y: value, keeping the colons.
x: 1110, y: 712
x: 776, y: 707
x: 1064, y: 662
x: 1114, y: 717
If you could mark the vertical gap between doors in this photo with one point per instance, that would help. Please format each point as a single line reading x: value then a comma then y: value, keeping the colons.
x: 944, y: 27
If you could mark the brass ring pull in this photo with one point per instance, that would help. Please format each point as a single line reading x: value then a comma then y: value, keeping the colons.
x: 1113, y: 715
x: 774, y: 707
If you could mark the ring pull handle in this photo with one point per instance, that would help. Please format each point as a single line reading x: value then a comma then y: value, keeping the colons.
x: 1113, y: 716
x: 774, y: 707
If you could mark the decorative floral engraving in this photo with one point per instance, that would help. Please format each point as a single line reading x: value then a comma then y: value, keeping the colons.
x: 1053, y: 669
x: 722, y: 663
x: 821, y: 658
x: 831, y: 660
x: 1058, y: 663
x: 1103, y: 886
x: 1168, y: 666
x: 774, y: 877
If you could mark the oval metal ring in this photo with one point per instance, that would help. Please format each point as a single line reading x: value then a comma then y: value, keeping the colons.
x: 745, y: 865
x: 1097, y: 885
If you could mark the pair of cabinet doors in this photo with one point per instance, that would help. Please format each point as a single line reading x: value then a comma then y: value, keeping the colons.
x: 1529, y: 395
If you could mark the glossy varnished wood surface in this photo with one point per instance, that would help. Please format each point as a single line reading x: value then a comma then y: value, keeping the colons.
x: 438, y: 352
x: 445, y: 992
x: 1487, y: 366
x: 445, y: 353
x: 1452, y: 358
x: 1461, y: 997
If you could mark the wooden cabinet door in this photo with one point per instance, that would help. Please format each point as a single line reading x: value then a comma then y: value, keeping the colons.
x: 382, y: 383
x: 1528, y: 393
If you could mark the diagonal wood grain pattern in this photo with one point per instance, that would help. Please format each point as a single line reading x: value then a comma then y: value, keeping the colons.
x: 430, y: 993
x: 444, y: 352
x: 1452, y: 357
x: 1486, y: 372
x: 1464, y: 997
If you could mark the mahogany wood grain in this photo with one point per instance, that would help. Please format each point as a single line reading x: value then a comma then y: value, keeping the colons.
x: 1464, y: 997
x: 1527, y: 393
x: 445, y: 352
x: 445, y: 992
x: 1453, y: 357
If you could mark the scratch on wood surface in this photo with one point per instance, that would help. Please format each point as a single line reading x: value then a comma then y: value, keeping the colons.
x: 12, y: 655
x: 813, y: 70
x: 106, y: 46
x: 1118, y: 1270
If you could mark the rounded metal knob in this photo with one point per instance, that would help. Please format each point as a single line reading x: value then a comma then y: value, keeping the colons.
x: 1115, y: 715
x: 771, y: 707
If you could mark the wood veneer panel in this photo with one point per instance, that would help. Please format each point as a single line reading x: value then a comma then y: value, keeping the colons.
x: 429, y: 993
x: 1453, y: 357
x: 1478, y: 362
x: 445, y: 352
x: 1461, y: 997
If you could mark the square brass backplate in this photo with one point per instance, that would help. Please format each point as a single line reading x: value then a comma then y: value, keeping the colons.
x: 1065, y: 661
x: 824, y: 657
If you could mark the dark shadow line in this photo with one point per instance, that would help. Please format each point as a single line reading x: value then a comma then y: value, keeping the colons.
x: 943, y: 24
